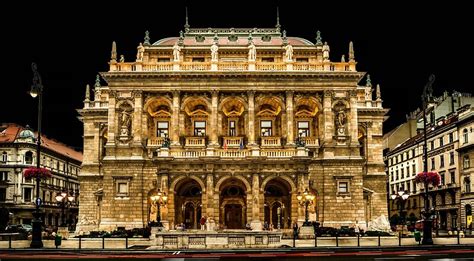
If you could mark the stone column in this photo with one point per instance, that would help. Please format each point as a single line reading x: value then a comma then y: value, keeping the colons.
x: 353, y: 127
x: 210, y: 196
x: 175, y: 119
x: 111, y: 122
x: 251, y: 113
x: 214, y: 102
x: 137, y: 117
x: 256, y: 223
x: 290, y: 118
x: 328, y: 117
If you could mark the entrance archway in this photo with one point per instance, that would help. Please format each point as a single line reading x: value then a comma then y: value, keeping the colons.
x: 188, y: 203
x: 277, y: 203
x: 233, y: 209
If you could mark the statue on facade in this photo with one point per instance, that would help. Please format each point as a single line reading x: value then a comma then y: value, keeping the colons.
x: 153, y: 212
x: 252, y: 52
x: 368, y: 93
x: 289, y: 53
x: 326, y: 52
x: 140, y: 51
x: 340, y: 122
x: 214, y: 49
x: 176, y: 52
x: 122, y: 58
x: 125, y: 123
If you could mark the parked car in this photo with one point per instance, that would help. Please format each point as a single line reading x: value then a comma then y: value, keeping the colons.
x: 326, y: 231
x: 23, y: 229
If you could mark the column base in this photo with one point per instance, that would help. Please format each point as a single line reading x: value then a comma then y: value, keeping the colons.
x: 256, y: 225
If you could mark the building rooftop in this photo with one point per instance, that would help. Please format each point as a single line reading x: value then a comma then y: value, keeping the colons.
x: 11, y: 133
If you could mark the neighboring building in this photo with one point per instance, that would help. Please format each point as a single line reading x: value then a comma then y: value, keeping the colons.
x: 232, y: 124
x: 405, y: 160
x: 17, y: 194
x: 466, y: 165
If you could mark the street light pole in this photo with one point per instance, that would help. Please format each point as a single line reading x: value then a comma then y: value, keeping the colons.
x: 37, y: 90
x: 401, y: 196
x: 160, y: 200
x: 305, y: 200
x: 427, y: 222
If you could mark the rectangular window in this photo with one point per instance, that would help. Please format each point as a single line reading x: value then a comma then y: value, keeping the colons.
x: 302, y: 60
x: 268, y: 59
x: 413, y: 153
x: 200, y: 128
x: 451, y: 137
x: 303, y: 129
x: 408, y: 186
x: 3, y: 194
x: 465, y: 162
x: 451, y: 158
x: 396, y: 174
x: 402, y: 173
x: 163, y: 60
x: 441, y: 161
x: 27, y: 194
x: 3, y: 175
x: 266, y: 128
x: 408, y: 171
x: 432, y: 163
x: 453, y: 176
x: 162, y: 129
x: 391, y: 175
x: 232, y: 129
x: 432, y: 145
x: 198, y: 59
x: 122, y: 187
x: 441, y: 142
x: 343, y: 187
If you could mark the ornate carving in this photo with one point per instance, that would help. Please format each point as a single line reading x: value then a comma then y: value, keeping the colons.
x: 113, y: 94
x: 353, y: 93
x: 329, y: 94
x: 137, y: 94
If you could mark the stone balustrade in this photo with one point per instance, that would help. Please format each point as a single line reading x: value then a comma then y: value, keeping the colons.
x: 232, y: 142
x: 271, y: 142
x: 231, y: 66
x: 311, y: 141
x: 155, y: 142
x: 195, y: 142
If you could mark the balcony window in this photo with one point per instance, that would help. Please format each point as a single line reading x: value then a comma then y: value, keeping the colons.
x: 200, y: 128
x: 232, y: 129
x: 162, y: 129
x: 266, y: 128
x: 303, y: 129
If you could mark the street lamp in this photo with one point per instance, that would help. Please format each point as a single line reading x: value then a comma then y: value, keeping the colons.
x: 159, y: 199
x: 402, y: 196
x: 64, y: 199
x: 305, y: 200
x: 427, y: 220
x: 279, y: 213
x: 37, y: 90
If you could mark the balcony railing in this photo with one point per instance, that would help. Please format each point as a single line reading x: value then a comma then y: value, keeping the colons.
x: 278, y: 153
x: 195, y: 142
x: 155, y: 142
x: 233, y: 142
x: 311, y: 141
x: 231, y: 66
x: 271, y: 142
x: 188, y: 153
x: 233, y: 153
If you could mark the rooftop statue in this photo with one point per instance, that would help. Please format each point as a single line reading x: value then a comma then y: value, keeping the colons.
x: 326, y: 52
x: 289, y: 53
x: 214, y: 49
x: 176, y: 51
x: 252, y: 52
x: 140, y: 51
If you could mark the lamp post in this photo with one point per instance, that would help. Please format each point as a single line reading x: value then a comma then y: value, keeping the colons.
x: 402, y: 196
x: 305, y: 200
x: 427, y: 221
x: 64, y: 199
x: 37, y: 91
x: 159, y: 199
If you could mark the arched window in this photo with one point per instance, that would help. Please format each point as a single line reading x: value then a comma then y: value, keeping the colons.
x: 4, y: 157
x: 29, y: 157
x: 465, y: 135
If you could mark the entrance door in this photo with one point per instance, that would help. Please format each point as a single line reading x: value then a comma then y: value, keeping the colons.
x: 233, y: 216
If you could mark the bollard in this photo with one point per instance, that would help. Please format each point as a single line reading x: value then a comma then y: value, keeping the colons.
x: 294, y: 240
x: 458, y: 238
x: 80, y: 242
x: 103, y: 242
x: 126, y: 242
x: 379, y: 239
x: 399, y: 239
x: 315, y: 240
x: 358, y: 240
x: 9, y: 241
x: 337, y: 240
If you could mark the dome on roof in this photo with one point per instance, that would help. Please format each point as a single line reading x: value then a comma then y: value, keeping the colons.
x: 26, y: 133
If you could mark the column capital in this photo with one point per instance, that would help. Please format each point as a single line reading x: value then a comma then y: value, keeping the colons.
x: 214, y: 92
x: 251, y: 93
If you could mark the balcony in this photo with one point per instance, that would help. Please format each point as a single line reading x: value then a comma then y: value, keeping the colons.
x: 233, y: 153
x: 278, y: 153
x: 195, y: 142
x: 188, y: 153
x: 232, y: 142
x: 156, y: 142
x: 271, y: 142
x: 310, y: 141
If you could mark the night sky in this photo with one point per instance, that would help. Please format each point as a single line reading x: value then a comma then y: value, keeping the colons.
x: 399, y: 43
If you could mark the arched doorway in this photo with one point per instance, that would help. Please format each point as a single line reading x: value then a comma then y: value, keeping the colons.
x: 188, y: 203
x: 468, y: 209
x: 233, y: 214
x: 277, y: 203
